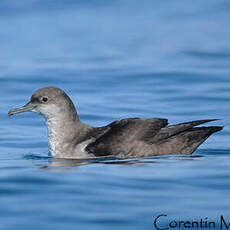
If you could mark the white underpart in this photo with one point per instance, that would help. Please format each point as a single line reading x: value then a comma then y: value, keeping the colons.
x: 61, y: 146
x: 54, y: 139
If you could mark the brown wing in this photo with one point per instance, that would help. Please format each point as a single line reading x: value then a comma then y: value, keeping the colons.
x: 121, y: 134
x: 173, y: 130
x: 146, y: 137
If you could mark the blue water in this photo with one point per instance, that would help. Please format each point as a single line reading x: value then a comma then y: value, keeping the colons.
x: 115, y: 59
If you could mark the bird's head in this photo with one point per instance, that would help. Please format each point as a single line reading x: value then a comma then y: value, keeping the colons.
x: 49, y: 102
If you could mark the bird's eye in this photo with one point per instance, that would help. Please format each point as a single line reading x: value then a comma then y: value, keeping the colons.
x: 44, y: 99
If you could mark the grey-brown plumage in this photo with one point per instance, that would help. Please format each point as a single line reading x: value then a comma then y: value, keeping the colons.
x: 133, y: 137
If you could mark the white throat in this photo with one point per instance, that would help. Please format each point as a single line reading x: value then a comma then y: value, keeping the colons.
x: 55, y: 133
x: 61, y: 139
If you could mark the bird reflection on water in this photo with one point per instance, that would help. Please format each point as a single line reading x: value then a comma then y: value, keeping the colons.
x: 68, y: 164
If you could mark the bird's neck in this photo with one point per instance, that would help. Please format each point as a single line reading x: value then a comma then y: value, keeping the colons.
x: 61, y: 132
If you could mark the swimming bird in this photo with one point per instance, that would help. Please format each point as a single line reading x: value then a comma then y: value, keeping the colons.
x: 127, y: 138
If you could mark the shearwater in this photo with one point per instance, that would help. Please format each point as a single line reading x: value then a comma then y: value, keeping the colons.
x: 127, y: 138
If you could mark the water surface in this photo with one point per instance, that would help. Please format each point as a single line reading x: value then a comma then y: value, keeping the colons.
x: 116, y: 59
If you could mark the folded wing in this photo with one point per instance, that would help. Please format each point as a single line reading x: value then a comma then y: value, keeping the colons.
x: 146, y: 137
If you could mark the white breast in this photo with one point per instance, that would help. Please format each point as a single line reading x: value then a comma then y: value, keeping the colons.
x: 60, y: 148
x: 54, y: 138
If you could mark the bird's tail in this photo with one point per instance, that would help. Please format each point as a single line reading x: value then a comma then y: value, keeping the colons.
x: 184, y: 138
x: 196, y: 136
